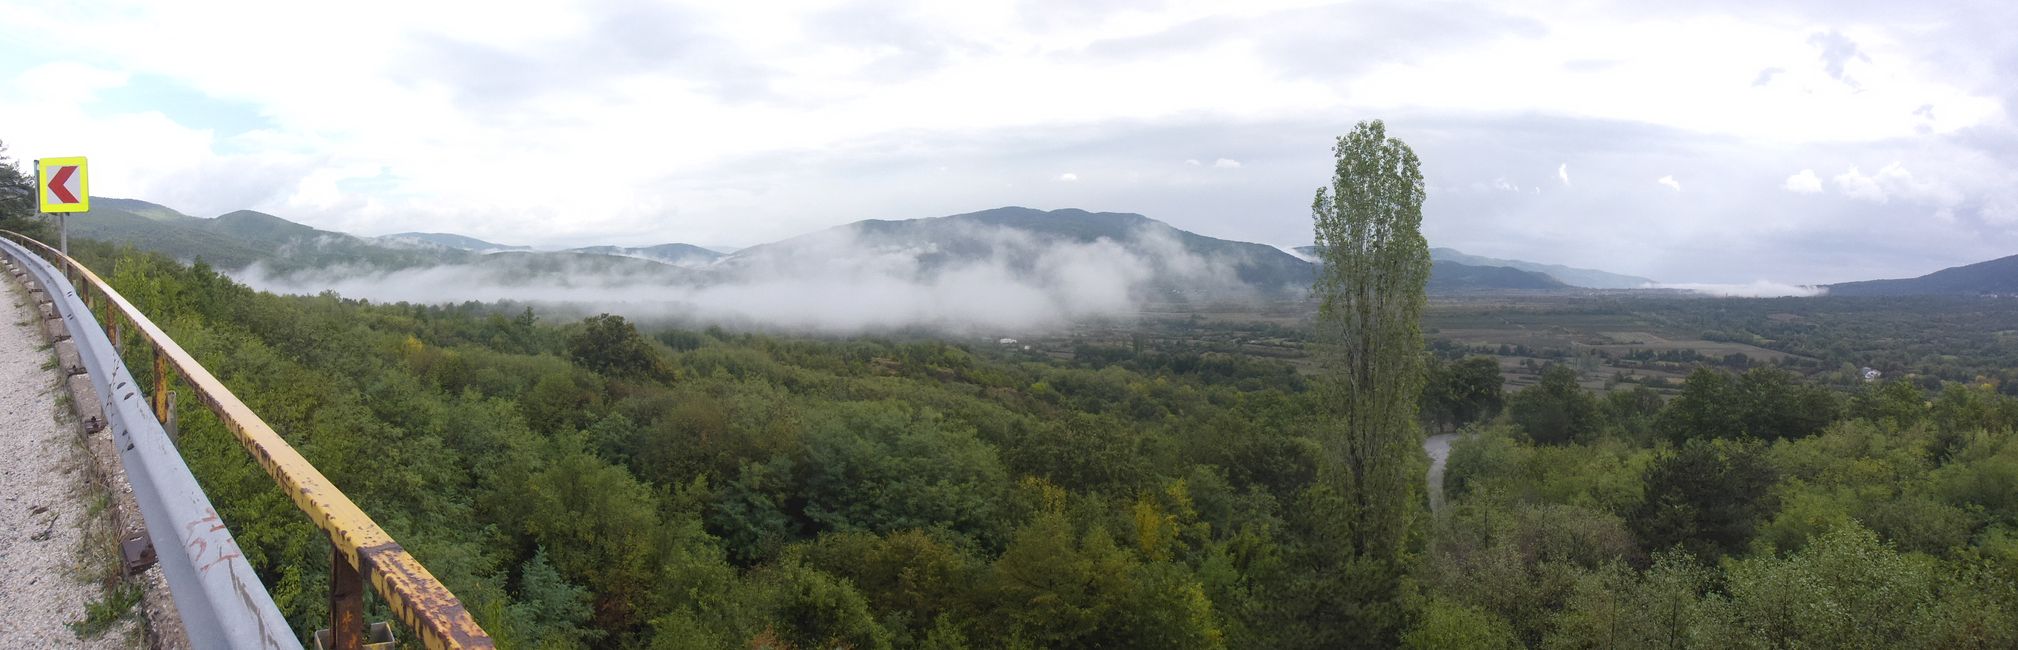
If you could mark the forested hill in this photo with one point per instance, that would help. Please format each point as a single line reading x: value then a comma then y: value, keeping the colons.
x: 1998, y: 276
x: 237, y: 239
x: 1024, y: 238
x: 159, y: 229
x: 1452, y: 277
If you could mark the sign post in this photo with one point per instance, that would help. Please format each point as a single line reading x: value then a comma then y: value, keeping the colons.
x: 62, y: 186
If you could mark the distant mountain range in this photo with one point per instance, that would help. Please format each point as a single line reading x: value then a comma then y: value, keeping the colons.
x: 681, y: 255
x: 1452, y: 277
x: 1023, y: 242
x: 446, y: 240
x: 237, y: 239
x: 1998, y: 276
x: 1587, y: 278
x: 1447, y: 277
x: 1026, y: 241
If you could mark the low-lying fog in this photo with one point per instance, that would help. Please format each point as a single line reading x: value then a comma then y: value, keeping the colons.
x: 834, y: 282
x: 1754, y: 289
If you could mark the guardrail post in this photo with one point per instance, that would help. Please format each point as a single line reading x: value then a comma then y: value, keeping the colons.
x: 346, y: 603
x: 160, y: 386
x: 169, y: 424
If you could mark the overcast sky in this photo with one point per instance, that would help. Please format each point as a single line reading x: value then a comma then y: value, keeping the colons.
x: 1723, y: 141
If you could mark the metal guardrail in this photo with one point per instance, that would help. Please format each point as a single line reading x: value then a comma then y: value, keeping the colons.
x: 361, y: 550
x: 220, y: 599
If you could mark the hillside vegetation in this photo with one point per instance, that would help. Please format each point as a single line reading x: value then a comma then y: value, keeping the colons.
x: 592, y: 483
x: 238, y: 239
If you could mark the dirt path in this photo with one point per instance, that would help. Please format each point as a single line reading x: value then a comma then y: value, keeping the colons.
x: 1438, y: 448
x: 45, y: 499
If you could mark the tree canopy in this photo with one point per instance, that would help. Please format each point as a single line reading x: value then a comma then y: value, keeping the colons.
x: 1370, y: 291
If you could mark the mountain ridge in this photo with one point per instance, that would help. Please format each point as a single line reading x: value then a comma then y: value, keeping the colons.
x: 1577, y: 277
x: 1447, y: 277
x: 450, y: 240
x: 1998, y: 276
x: 939, y: 242
x: 1175, y: 263
x: 676, y: 254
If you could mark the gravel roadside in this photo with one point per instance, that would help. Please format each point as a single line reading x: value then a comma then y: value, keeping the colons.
x: 46, y: 499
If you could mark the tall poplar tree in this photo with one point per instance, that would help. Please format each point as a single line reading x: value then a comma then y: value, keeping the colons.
x: 1370, y: 292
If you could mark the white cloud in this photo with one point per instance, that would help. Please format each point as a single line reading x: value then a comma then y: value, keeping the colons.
x: 833, y: 281
x: 1068, y: 177
x: 1670, y: 182
x: 1226, y: 163
x: 1805, y: 182
x: 1895, y: 181
x: 2001, y: 210
x: 70, y: 80
x: 1856, y: 185
x: 739, y: 123
x: 1662, y: 76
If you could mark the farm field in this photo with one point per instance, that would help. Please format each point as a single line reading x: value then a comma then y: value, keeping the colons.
x: 1615, y: 338
x: 1607, y: 345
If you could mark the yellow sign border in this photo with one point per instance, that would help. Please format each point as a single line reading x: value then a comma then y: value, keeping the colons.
x: 42, y: 198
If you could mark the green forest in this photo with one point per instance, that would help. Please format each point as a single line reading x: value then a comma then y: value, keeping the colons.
x: 599, y: 482
x: 592, y: 484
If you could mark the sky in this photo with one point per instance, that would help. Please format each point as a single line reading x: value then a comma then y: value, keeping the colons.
x: 1762, y: 141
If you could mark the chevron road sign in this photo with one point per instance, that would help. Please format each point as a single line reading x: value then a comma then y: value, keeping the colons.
x: 63, y: 184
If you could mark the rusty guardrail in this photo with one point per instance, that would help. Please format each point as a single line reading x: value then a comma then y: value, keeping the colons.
x: 360, y: 549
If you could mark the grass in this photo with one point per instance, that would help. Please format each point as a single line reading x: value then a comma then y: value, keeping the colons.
x: 99, y: 502
x: 99, y: 559
x: 100, y: 615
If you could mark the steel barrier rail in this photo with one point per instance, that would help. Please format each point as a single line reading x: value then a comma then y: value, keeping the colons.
x: 362, y: 550
x: 219, y: 597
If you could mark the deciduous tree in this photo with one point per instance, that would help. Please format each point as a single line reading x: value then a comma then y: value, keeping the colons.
x: 1708, y: 496
x: 1460, y: 393
x: 1556, y: 411
x: 611, y: 346
x: 1370, y: 292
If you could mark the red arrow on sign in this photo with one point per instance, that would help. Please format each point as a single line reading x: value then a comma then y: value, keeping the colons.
x: 59, y: 184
